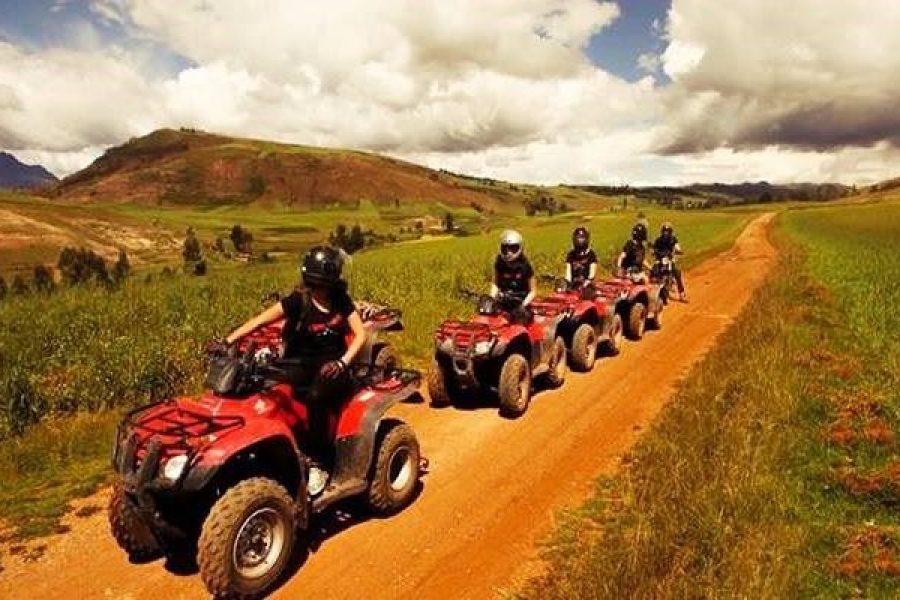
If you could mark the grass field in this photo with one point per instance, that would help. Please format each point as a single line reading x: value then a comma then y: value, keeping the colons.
x: 774, y: 473
x: 89, y: 353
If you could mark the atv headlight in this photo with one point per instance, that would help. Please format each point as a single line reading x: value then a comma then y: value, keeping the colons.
x: 174, y: 467
x: 445, y: 344
x: 483, y: 347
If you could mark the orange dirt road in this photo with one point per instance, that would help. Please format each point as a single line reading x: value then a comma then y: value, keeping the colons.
x: 493, y: 487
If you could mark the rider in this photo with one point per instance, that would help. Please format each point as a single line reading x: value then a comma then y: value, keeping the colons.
x: 581, y: 261
x: 513, y: 275
x: 319, y: 316
x: 634, y: 253
x: 667, y: 246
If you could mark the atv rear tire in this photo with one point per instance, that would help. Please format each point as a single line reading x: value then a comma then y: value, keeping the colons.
x: 395, y: 469
x: 386, y: 357
x: 637, y: 321
x: 559, y: 364
x: 247, y: 539
x: 615, y: 336
x: 514, y: 388
x: 584, y: 347
x: 440, y: 388
x: 131, y: 533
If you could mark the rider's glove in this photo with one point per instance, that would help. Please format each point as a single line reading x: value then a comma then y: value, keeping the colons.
x: 332, y: 369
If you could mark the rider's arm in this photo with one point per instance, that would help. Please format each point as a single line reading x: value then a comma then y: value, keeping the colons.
x: 495, y: 291
x: 569, y: 272
x: 532, y: 291
x: 267, y: 316
x: 677, y: 249
x: 359, y: 337
x: 592, y: 271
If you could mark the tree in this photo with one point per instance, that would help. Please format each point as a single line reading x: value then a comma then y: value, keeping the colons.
x: 200, y: 268
x: 79, y: 266
x: 219, y: 244
x: 43, y: 279
x: 191, y: 248
x: 121, y: 268
x: 448, y: 222
x: 19, y: 287
x: 242, y: 239
x: 338, y: 237
x: 356, y: 241
x: 3, y: 289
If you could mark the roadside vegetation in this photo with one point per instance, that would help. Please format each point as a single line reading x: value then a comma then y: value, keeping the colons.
x: 89, y: 352
x: 774, y: 473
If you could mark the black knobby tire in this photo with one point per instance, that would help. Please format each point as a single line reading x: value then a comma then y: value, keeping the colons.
x: 615, y: 336
x: 584, y: 347
x: 386, y: 357
x: 130, y: 532
x: 395, y: 469
x: 218, y: 547
x: 559, y: 364
x: 440, y: 385
x: 637, y: 317
x: 514, y: 388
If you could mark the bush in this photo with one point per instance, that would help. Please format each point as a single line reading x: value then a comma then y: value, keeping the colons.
x: 122, y: 267
x: 242, y: 239
x: 80, y: 266
x: 3, y: 288
x: 43, y: 279
x: 19, y: 287
x: 191, y: 249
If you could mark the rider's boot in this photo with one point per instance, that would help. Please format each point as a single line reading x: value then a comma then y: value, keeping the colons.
x: 318, y: 479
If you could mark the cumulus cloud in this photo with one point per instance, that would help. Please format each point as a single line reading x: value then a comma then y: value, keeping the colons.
x: 759, y: 89
x: 754, y: 73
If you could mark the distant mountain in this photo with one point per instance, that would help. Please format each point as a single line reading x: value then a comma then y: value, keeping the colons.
x: 190, y: 167
x: 15, y: 174
x: 714, y: 194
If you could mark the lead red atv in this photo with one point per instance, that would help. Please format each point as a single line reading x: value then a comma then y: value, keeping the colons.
x: 225, y: 471
x: 497, y: 351
x: 593, y: 322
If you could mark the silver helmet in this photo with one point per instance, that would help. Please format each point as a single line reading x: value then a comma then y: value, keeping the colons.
x: 511, y: 245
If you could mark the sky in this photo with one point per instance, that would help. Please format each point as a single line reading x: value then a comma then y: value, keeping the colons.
x: 644, y: 92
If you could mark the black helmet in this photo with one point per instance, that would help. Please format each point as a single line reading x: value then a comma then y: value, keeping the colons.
x: 581, y: 238
x: 321, y: 267
x: 666, y: 230
x: 639, y: 232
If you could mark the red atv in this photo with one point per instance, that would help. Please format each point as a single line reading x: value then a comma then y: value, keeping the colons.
x: 593, y: 322
x: 498, y: 351
x: 639, y: 302
x: 376, y: 319
x: 225, y: 471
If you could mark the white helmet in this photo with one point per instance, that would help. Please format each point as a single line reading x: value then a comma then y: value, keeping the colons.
x: 511, y: 245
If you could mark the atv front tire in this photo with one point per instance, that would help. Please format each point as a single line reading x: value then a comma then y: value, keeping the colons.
x: 439, y: 385
x: 616, y: 336
x: 131, y: 533
x: 395, y: 469
x: 559, y: 364
x: 514, y: 388
x: 637, y: 320
x: 247, y: 539
x: 584, y: 347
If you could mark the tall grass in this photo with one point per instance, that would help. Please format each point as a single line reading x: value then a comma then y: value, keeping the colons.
x: 744, y: 488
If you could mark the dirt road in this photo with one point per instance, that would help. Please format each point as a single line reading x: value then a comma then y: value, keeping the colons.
x: 494, y: 484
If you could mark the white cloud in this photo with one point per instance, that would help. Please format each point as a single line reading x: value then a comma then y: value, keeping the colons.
x: 807, y: 74
x: 495, y: 88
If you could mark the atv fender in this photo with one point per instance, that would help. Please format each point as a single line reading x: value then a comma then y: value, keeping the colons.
x: 242, y: 446
x: 357, y: 431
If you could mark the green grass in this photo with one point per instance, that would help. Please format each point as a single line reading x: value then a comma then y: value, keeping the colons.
x: 88, y: 352
x: 741, y: 488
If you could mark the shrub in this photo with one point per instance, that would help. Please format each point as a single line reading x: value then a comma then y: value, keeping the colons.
x: 80, y: 266
x: 43, y: 279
